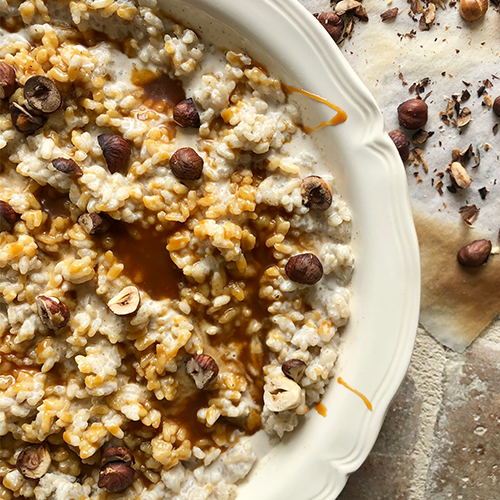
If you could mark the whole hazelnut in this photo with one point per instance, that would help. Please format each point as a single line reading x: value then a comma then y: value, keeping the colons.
x: 202, y: 368
x: 186, y: 115
x: 412, y: 114
x: 474, y: 254
x: 186, y: 164
x: 401, y: 143
x: 117, y: 454
x: 496, y: 106
x: 53, y: 313
x: 472, y: 10
x: 67, y: 166
x: 7, y: 217
x: 115, y: 476
x: 34, y: 461
x: 7, y: 80
x: 316, y: 193
x: 42, y: 95
x: 304, y: 268
x: 116, y: 151
x: 332, y: 23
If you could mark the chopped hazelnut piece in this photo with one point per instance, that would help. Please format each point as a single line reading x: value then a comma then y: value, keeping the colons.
x: 116, y: 476
x: 34, y: 461
x: 203, y: 369
x: 126, y: 302
x: 459, y: 175
x: 186, y: 164
x: 53, y: 313
x: 186, y: 115
x: 389, y: 14
x: 116, y: 151
x: 469, y: 214
x: 281, y: 394
x: 67, y: 166
x: 7, y: 80
x: 304, y: 268
x: 92, y: 223
x: 401, y: 143
x: 42, y: 95
x: 474, y: 254
x: 332, y: 23
x: 24, y: 121
x: 316, y: 193
x: 7, y: 217
x: 117, y: 454
x: 294, y: 369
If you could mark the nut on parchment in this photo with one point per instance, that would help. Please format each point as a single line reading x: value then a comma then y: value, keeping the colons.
x: 401, y: 143
x: 53, y: 313
x: 459, y: 175
x: 316, y: 193
x: 186, y: 164
x: 202, y: 368
x: 34, y: 461
x: 116, y: 151
x: 24, y: 121
x: 67, y: 166
x: 294, y: 369
x: 117, y: 454
x: 496, y: 106
x: 42, y: 95
x: 281, y: 394
x: 7, y: 217
x: 474, y: 254
x: 116, y: 476
x: 412, y: 114
x: 126, y: 302
x: 471, y: 10
x: 7, y: 80
x: 186, y: 115
x: 332, y: 23
x: 92, y: 223
x: 304, y: 268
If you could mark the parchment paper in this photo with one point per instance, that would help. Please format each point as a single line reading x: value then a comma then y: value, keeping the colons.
x: 455, y: 55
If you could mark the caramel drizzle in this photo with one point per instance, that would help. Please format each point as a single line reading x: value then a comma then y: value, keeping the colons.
x: 321, y: 409
x: 362, y: 396
x: 340, y: 117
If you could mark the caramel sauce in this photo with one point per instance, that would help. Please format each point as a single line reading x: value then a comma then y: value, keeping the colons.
x: 362, y: 396
x: 54, y: 203
x: 145, y: 257
x: 161, y: 91
x: 321, y: 409
x: 340, y: 117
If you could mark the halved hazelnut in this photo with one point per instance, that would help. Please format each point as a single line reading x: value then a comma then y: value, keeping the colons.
x: 316, y: 193
x: 42, y: 95
x: 281, y: 394
x: 294, y: 369
x: 67, y: 166
x: 115, y: 476
x: 412, y: 114
x: 116, y: 151
x: 186, y: 164
x: 92, y: 223
x: 117, y: 454
x: 304, y: 268
x: 24, y: 121
x: 7, y: 80
x: 474, y: 254
x: 53, y: 313
x: 186, y: 114
x: 7, y: 217
x: 126, y: 302
x: 34, y: 461
x: 203, y: 369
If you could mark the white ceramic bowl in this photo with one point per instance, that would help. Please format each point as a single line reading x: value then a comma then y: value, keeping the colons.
x: 315, y: 460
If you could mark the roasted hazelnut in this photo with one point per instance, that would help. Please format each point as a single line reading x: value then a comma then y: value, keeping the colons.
x: 7, y: 217
x: 203, y: 369
x: 34, y: 461
x: 67, y: 166
x: 496, y: 106
x: 186, y: 114
x: 474, y: 254
x: 92, y: 223
x: 316, y: 193
x: 294, y: 369
x: 42, y: 95
x: 459, y: 175
x: 116, y: 151
x: 304, y: 268
x: 401, y: 143
x: 117, y: 454
x: 24, y: 121
x: 332, y: 23
x: 126, y: 302
x: 282, y: 394
x: 7, y: 80
x: 53, y: 313
x: 472, y: 10
x: 115, y: 476
x: 186, y: 164
x: 412, y: 114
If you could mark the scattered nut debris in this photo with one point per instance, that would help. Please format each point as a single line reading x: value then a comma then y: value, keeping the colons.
x: 92, y: 223
x: 304, y: 268
x: 115, y: 476
x: 126, y: 302
x: 474, y: 254
x: 487, y: 100
x: 7, y: 80
x: 24, y: 121
x: 472, y: 10
x: 412, y: 114
x: 294, y: 369
x: 34, y: 461
x: 67, y: 166
x: 316, y: 193
x: 7, y: 217
x: 203, y: 369
x: 483, y: 192
x: 464, y: 117
x: 281, y: 394
x: 459, y: 175
x: 186, y: 164
x: 389, y: 14
x: 469, y: 214
x: 421, y: 136
x: 401, y: 143
x: 42, y: 95
x: 116, y: 151
x: 53, y: 313
x: 186, y: 115
x: 333, y: 24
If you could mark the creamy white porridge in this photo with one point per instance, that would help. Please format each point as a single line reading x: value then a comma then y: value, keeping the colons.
x: 165, y: 246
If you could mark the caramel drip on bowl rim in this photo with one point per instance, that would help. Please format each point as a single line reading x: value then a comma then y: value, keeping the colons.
x: 362, y: 396
x: 340, y: 117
